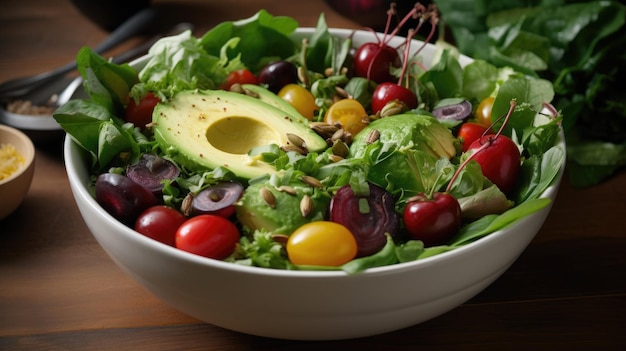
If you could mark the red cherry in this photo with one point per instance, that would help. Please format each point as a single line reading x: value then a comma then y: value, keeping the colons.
x: 432, y: 220
x: 373, y: 61
x: 387, y: 92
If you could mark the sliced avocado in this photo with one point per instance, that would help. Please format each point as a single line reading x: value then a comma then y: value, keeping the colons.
x: 269, y: 97
x: 205, y: 129
x: 285, y: 216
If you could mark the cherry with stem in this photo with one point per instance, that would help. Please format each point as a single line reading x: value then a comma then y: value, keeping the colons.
x: 434, y: 218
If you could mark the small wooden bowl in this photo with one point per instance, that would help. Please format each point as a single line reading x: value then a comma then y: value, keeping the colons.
x: 14, y: 188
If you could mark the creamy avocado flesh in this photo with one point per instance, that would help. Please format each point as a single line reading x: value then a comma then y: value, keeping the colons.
x: 285, y: 216
x: 212, y: 128
x: 268, y: 97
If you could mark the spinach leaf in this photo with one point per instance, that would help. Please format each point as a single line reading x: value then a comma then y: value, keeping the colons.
x: 105, y: 82
x: 409, y: 250
x: 325, y: 50
x: 530, y: 95
x: 594, y: 161
x: 81, y: 119
x: 434, y: 250
x: 543, y: 170
x: 479, y: 80
x: 114, y: 139
x: 361, y: 89
x: 262, y: 38
x: 492, y: 223
x: 446, y: 76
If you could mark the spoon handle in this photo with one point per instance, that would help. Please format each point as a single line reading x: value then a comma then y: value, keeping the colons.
x: 20, y: 86
x: 130, y: 27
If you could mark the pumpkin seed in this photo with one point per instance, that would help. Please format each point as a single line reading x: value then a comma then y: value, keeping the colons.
x: 373, y: 135
x: 268, y: 197
x: 312, y: 181
x: 306, y: 205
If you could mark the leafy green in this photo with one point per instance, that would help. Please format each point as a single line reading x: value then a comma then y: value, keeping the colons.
x: 262, y: 38
x: 530, y: 95
x: 595, y: 160
x: 325, y: 50
x: 391, y: 159
x: 446, y: 76
x: 492, y: 223
x: 180, y: 62
x: 538, y: 173
x: 106, y: 83
x: 386, y: 256
x: 260, y: 250
x: 577, y: 45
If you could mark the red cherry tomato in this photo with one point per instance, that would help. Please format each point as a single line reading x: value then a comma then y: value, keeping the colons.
x: 160, y: 223
x: 433, y: 221
x: 140, y: 113
x: 210, y: 236
x: 471, y: 131
x: 499, y: 161
x: 387, y: 92
x: 240, y: 76
x: 373, y: 61
x: 483, y: 111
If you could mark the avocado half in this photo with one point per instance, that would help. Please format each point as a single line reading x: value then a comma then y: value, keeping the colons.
x: 205, y: 129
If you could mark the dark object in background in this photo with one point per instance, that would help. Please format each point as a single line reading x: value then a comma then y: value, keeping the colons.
x: 108, y: 14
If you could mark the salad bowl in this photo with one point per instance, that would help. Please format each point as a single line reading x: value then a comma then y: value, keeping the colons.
x: 305, y: 305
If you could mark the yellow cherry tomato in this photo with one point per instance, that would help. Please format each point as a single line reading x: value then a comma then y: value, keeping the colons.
x: 300, y: 98
x: 349, y: 113
x: 483, y: 111
x: 321, y: 243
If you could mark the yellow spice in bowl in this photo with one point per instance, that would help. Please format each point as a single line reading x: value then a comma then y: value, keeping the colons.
x: 10, y: 160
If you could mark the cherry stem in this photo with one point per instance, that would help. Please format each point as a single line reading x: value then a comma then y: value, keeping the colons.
x: 390, y: 13
x: 483, y: 146
x: 405, y: 59
x: 423, y: 16
x: 434, y: 20
x: 417, y: 9
x: 506, y: 118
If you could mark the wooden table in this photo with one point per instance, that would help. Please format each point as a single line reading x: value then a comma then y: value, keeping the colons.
x: 60, y: 291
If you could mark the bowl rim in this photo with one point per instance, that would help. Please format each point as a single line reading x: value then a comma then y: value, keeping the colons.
x: 71, y: 149
x: 29, y: 155
x: 29, y: 122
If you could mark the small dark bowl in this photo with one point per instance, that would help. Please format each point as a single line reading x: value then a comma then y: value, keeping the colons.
x: 109, y: 14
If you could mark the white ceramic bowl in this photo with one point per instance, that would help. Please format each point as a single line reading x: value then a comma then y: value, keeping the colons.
x: 14, y: 188
x: 310, y: 305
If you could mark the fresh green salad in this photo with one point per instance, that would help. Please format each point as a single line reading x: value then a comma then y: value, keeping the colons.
x: 259, y: 146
